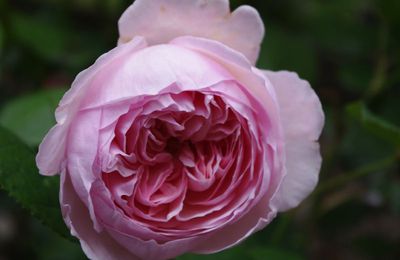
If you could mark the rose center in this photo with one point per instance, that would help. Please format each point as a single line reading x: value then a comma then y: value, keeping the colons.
x: 174, y: 165
x: 173, y: 146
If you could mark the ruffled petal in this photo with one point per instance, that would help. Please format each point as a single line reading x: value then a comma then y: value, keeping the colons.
x: 150, y: 72
x: 160, y: 21
x: 256, y: 219
x: 53, y: 147
x: 254, y: 84
x: 76, y: 216
x: 302, y: 120
x: 82, y: 150
x: 133, y: 236
x: 52, y: 151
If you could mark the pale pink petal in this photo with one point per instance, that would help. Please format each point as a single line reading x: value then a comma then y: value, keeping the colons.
x: 52, y: 149
x: 302, y: 120
x: 51, y: 152
x: 132, y: 235
x: 236, y: 65
x: 257, y: 218
x: 82, y: 150
x: 76, y: 216
x: 246, y: 75
x: 150, y: 72
x: 160, y: 21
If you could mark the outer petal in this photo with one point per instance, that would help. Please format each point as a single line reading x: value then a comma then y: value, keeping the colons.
x: 256, y: 219
x: 95, y: 245
x: 82, y: 151
x: 52, y: 150
x: 150, y: 72
x: 123, y: 230
x: 160, y: 21
x: 302, y: 120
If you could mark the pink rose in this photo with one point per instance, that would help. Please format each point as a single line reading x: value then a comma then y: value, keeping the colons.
x: 174, y: 142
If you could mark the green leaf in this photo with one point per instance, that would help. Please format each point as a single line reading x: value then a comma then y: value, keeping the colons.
x: 374, y: 124
x: 261, y: 253
x: 237, y: 252
x: 46, y: 38
x: 50, y: 246
x: 394, y: 197
x: 1, y: 38
x: 247, y: 252
x: 284, y: 50
x: 20, y: 178
x: 355, y: 76
x: 30, y: 117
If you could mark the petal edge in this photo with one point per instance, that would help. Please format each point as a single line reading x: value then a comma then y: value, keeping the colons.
x: 242, y: 30
x: 302, y: 121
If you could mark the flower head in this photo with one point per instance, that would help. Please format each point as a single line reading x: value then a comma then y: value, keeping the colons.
x: 174, y: 142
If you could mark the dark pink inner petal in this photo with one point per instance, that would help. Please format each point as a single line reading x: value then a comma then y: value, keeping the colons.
x: 183, y: 164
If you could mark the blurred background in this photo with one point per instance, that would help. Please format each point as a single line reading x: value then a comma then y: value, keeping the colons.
x: 349, y: 50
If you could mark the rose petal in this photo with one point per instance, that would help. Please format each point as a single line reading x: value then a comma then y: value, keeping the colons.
x: 76, y: 216
x: 302, y: 119
x: 81, y: 156
x: 152, y: 71
x: 52, y: 149
x: 160, y: 21
x: 257, y: 218
x: 253, y: 83
x: 132, y: 235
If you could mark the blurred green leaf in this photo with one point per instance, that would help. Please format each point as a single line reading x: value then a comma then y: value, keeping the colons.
x: 374, y: 124
x: 358, y: 147
x: 50, y: 246
x: 394, y: 197
x: 362, y: 171
x: 338, y: 28
x: 388, y: 105
x: 390, y: 11
x: 247, y: 252
x: 30, y: 117
x: 20, y: 178
x: 46, y: 38
x: 355, y: 76
x: 57, y: 41
x: 374, y: 247
x: 282, y: 50
x: 261, y: 253
x: 1, y: 38
x: 237, y: 252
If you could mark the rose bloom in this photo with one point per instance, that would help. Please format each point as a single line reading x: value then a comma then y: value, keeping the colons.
x: 173, y: 142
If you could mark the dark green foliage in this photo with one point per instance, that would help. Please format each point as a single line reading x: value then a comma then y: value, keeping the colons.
x: 31, y: 116
x: 20, y: 178
x: 374, y: 124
